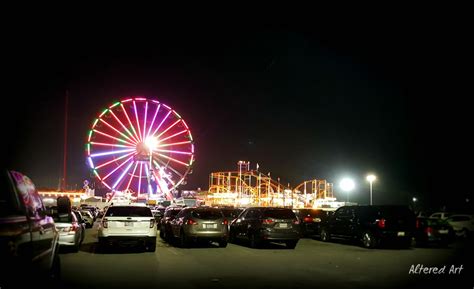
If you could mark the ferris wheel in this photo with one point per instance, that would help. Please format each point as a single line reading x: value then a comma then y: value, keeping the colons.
x: 140, y: 145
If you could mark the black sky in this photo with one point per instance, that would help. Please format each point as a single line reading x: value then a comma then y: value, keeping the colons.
x: 303, y: 103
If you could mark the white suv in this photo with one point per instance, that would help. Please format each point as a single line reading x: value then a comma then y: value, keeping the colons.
x: 128, y: 223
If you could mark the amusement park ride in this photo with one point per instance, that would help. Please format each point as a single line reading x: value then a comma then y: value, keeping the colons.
x: 140, y: 148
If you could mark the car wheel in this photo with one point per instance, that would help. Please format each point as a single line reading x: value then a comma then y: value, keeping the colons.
x: 291, y: 244
x: 232, y: 238
x: 325, y: 237
x: 223, y: 244
x: 368, y: 240
x: 254, y: 241
x: 151, y: 247
x: 183, y: 240
x: 162, y: 233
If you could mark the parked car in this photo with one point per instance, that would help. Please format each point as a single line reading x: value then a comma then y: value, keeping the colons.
x: 70, y: 229
x: 28, y: 236
x: 433, y: 231
x: 310, y: 220
x: 81, y: 222
x: 128, y: 223
x: 165, y: 222
x: 265, y: 224
x: 371, y: 225
x: 88, y: 218
x: 231, y: 214
x: 440, y: 215
x: 463, y: 225
x: 200, y: 223
x: 158, y: 214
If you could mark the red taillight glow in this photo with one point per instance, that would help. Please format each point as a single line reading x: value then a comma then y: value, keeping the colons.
x: 191, y: 222
x: 104, y: 223
x: 308, y: 219
x: 267, y: 221
x: 225, y: 222
x: 296, y: 222
x: 381, y: 223
x: 152, y: 223
x: 417, y: 224
x: 429, y: 230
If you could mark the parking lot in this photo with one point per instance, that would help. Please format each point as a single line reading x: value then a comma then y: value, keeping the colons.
x: 311, y: 264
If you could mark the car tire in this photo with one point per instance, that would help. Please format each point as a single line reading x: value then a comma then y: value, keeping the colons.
x: 254, y: 241
x: 325, y: 237
x: 291, y: 244
x: 368, y: 239
x: 162, y: 233
x: 183, y: 240
x: 151, y: 247
x: 222, y: 244
x: 232, y: 238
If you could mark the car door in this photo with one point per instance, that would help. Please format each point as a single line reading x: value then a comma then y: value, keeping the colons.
x: 341, y: 223
x: 239, y: 224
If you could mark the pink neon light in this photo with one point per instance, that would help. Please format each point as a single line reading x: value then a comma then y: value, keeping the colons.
x: 173, y: 151
x: 130, y: 122
x: 113, y: 160
x: 166, y: 106
x: 132, y: 175
x: 172, y: 144
x: 153, y: 121
x: 122, y: 175
x: 144, y: 123
x: 176, y: 134
x: 172, y: 159
x: 155, y: 101
x: 168, y: 128
x: 110, y: 145
x: 117, y: 130
x: 136, y: 140
x: 161, y: 123
x: 140, y: 98
x: 136, y: 118
x: 185, y: 124
x: 112, y: 153
x: 102, y: 133
x: 119, y: 166
x: 140, y: 178
x: 127, y: 100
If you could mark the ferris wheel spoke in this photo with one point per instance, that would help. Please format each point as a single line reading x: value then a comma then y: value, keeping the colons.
x: 121, y: 133
x: 122, y: 175
x: 161, y: 123
x: 118, y: 167
x: 112, y: 137
x: 140, y: 178
x: 173, y: 151
x: 110, y: 145
x: 167, y: 166
x: 173, y: 144
x: 126, y: 129
x: 173, y: 159
x: 136, y: 118
x: 153, y: 121
x: 170, y: 127
x: 132, y: 175
x: 112, y: 153
x: 172, y: 136
x: 114, y: 160
x: 144, y: 122
x: 130, y: 122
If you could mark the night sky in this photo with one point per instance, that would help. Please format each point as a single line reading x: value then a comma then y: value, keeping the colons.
x: 303, y: 103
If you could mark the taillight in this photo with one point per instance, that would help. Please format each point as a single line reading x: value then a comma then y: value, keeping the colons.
x: 152, y: 223
x: 267, y: 221
x: 417, y: 224
x: 225, y: 222
x: 296, y: 222
x: 105, y: 223
x: 308, y: 219
x: 429, y: 230
x: 191, y: 222
x: 381, y: 223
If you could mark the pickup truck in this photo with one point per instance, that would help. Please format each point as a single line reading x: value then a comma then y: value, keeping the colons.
x: 28, y: 237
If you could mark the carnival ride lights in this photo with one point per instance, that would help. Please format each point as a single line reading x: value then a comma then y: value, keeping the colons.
x: 140, y: 145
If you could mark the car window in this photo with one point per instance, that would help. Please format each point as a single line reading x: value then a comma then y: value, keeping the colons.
x: 128, y: 212
x: 459, y: 218
x: 27, y: 191
x: 279, y: 214
x: 207, y: 214
x: 9, y: 204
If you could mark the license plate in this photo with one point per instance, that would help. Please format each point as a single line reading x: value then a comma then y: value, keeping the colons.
x: 283, y: 225
x: 210, y: 226
x: 401, y: 234
x: 443, y: 231
x: 128, y: 224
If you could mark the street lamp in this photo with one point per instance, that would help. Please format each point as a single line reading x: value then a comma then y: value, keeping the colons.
x: 347, y: 185
x: 371, y: 179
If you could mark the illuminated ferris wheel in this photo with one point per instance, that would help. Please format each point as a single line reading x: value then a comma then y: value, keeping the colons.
x: 140, y: 145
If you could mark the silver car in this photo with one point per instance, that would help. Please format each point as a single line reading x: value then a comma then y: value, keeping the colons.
x: 197, y: 223
x: 70, y: 230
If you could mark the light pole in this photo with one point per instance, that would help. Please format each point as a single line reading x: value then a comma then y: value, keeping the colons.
x: 347, y: 185
x: 371, y: 179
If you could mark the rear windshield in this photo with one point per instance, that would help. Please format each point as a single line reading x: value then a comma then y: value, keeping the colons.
x: 435, y: 222
x: 128, y: 212
x: 231, y: 213
x: 207, y: 214
x: 62, y: 218
x: 311, y: 213
x: 279, y: 214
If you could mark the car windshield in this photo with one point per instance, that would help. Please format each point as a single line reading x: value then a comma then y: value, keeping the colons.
x: 207, y: 214
x: 128, y: 212
x: 279, y: 214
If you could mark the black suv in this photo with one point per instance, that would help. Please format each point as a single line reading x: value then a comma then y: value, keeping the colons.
x: 265, y: 224
x: 310, y: 220
x: 371, y: 224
